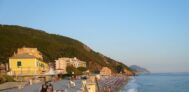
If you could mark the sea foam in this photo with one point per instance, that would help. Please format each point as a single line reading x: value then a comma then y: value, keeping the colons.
x: 132, y: 90
x: 132, y: 86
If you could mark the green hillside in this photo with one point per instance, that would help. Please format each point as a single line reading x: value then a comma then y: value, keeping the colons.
x: 52, y: 47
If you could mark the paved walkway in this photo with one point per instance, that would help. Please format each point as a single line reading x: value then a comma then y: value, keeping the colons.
x: 60, y: 85
x: 10, y: 85
x: 107, y: 82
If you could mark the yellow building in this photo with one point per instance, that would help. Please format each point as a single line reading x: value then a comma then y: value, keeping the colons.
x: 25, y: 64
x: 30, y: 51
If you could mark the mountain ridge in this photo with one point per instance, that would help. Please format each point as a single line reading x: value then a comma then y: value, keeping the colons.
x: 138, y: 69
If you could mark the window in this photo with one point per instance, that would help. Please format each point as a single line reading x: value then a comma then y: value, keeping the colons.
x: 42, y: 65
x: 37, y: 63
x: 19, y: 63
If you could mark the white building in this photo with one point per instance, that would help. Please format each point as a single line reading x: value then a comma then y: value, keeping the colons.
x: 62, y: 63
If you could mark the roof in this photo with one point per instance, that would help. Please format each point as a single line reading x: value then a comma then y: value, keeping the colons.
x: 23, y: 56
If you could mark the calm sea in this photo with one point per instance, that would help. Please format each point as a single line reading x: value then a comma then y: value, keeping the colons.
x: 159, y: 82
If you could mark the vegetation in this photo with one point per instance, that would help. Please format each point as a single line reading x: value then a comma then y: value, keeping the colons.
x: 6, y: 78
x: 82, y: 69
x: 52, y: 47
x: 73, y: 71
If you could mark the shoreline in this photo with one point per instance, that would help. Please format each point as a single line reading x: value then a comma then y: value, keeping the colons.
x: 123, y: 85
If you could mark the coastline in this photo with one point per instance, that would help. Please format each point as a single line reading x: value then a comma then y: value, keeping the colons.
x: 122, y: 86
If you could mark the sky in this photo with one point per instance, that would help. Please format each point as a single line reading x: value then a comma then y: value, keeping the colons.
x: 150, y: 33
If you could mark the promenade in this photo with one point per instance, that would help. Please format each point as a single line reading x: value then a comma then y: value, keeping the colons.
x: 59, y: 85
x: 10, y: 85
x: 105, y: 84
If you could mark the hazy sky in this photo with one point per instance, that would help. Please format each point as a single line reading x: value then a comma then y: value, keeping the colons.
x: 150, y: 33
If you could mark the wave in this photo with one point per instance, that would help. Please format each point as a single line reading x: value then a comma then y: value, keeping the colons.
x: 132, y: 90
x: 132, y: 86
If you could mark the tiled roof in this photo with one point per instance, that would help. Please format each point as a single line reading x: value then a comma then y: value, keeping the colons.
x: 23, y: 56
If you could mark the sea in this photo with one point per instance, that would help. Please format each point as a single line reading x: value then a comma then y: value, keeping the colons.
x: 158, y: 82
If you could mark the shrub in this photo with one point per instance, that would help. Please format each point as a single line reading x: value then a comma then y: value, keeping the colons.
x: 82, y: 69
x: 6, y: 78
x: 72, y: 69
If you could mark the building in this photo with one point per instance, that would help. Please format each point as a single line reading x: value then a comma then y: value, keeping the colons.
x: 76, y: 62
x: 27, y: 63
x: 82, y: 64
x: 30, y: 51
x: 105, y: 71
x: 62, y: 63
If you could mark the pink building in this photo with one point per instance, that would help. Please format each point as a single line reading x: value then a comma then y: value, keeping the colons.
x: 105, y: 71
x: 60, y: 65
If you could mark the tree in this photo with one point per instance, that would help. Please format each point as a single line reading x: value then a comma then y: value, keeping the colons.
x: 82, y: 69
x: 71, y: 69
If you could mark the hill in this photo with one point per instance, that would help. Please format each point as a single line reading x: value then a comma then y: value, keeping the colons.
x: 138, y: 69
x: 52, y: 47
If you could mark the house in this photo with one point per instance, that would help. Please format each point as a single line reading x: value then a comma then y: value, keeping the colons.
x: 76, y: 62
x: 62, y: 63
x: 30, y: 51
x: 82, y: 64
x: 105, y: 71
x: 27, y: 63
